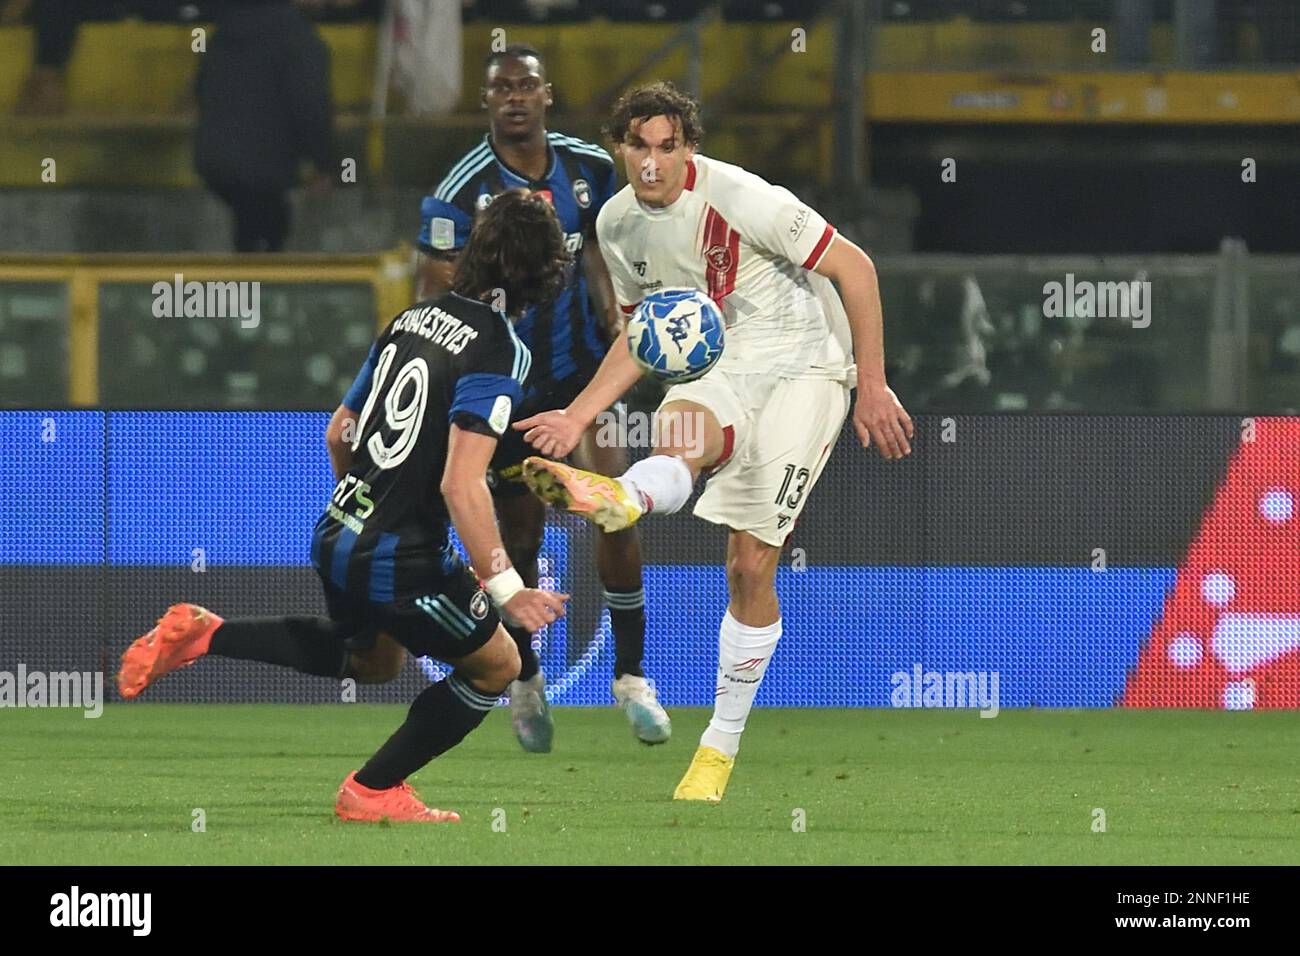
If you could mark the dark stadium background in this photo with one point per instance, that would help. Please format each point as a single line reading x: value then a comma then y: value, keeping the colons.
x: 1071, y: 434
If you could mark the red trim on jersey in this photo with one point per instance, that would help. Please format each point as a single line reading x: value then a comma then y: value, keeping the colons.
x: 690, y: 174
x: 819, y: 250
x: 721, y: 256
x: 628, y: 309
x: 728, y: 448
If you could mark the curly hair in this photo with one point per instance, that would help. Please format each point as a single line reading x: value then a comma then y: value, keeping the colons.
x: 656, y: 99
x: 517, y: 248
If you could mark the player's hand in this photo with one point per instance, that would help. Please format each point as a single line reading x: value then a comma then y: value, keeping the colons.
x: 554, y: 433
x: 535, y: 609
x: 878, y: 416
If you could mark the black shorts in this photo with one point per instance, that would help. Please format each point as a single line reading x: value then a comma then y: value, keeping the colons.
x: 505, y: 473
x: 454, y: 619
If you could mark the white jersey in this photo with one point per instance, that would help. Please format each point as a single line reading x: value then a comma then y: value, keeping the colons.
x: 750, y: 245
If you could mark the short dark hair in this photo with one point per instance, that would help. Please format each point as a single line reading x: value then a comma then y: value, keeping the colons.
x: 516, y: 246
x: 515, y: 51
x: 656, y: 99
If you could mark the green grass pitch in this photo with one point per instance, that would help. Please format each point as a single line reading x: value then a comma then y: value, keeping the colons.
x: 899, y: 786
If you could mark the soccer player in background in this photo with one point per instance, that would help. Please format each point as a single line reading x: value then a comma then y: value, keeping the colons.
x: 567, y: 339
x: 770, y: 410
x: 436, y: 394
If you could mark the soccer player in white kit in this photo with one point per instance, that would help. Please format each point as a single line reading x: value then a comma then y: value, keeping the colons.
x: 770, y: 410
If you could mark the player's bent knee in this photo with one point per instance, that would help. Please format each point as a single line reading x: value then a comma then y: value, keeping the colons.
x: 494, y: 665
x: 378, y: 665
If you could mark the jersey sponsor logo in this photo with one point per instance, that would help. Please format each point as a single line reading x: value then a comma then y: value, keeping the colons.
x: 500, y: 416
x: 483, y: 201
x: 800, y: 223
x: 582, y: 193
x: 573, y: 242
x: 478, y: 605
x: 442, y: 233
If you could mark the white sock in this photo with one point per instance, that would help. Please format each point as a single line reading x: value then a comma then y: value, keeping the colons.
x: 659, y: 483
x: 743, y: 655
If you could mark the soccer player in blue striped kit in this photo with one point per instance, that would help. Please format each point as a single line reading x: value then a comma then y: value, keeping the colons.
x: 568, y: 340
x: 435, y: 394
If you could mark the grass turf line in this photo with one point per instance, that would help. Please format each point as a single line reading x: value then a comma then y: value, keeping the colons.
x: 876, y: 786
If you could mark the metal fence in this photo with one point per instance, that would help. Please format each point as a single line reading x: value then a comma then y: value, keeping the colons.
x: 1169, y: 334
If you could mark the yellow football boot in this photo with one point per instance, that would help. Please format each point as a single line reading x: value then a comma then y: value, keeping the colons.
x: 599, y: 499
x: 706, y: 778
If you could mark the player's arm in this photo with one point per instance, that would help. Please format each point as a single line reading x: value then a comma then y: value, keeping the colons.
x: 602, y: 290
x: 338, y: 440
x: 464, y: 489
x: 877, y: 413
x: 342, y: 429
x: 556, y: 433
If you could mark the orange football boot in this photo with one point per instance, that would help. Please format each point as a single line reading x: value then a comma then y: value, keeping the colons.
x: 181, y: 637
x: 399, y: 804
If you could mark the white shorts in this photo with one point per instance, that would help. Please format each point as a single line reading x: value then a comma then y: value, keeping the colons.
x: 778, y: 434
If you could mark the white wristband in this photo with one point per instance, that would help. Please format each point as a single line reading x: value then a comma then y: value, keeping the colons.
x: 504, y: 585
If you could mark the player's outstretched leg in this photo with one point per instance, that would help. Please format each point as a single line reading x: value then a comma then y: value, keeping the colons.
x: 600, y: 499
x: 440, y: 718
x: 749, y: 634
x: 523, y: 519
x: 309, y: 645
x: 618, y: 561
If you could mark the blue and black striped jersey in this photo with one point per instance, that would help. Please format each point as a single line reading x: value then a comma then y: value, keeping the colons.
x: 444, y: 361
x: 565, y: 336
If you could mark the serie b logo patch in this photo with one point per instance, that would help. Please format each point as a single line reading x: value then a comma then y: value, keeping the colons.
x: 500, y: 416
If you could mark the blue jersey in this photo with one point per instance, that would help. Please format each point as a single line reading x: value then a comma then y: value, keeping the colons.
x: 565, y: 336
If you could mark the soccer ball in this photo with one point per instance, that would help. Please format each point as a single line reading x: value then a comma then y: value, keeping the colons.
x: 676, y: 334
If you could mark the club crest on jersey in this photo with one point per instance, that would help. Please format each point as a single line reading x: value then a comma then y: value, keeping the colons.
x: 719, y: 258
x: 582, y: 192
x: 478, y: 605
x: 483, y: 201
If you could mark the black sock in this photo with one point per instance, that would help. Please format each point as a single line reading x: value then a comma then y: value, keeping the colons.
x: 528, y: 662
x: 313, y: 645
x: 627, y: 616
x: 438, y: 720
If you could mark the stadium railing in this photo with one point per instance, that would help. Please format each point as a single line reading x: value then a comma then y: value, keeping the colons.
x: 1217, y: 333
x: 281, y: 331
